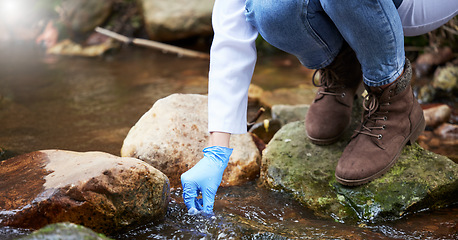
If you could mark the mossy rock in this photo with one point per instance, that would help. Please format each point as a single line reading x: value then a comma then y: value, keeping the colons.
x: 419, y: 180
x: 446, y: 78
x: 68, y: 231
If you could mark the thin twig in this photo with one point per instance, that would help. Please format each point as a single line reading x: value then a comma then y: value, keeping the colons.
x: 153, y: 44
x: 451, y: 30
x: 255, y: 118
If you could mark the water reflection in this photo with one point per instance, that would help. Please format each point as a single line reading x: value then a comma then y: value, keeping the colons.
x: 85, y: 104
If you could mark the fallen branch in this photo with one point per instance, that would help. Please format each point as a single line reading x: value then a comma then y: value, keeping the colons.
x: 255, y: 118
x: 153, y: 44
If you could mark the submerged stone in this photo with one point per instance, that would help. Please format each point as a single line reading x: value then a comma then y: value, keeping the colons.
x: 65, y: 230
x: 419, y: 180
x: 98, y: 190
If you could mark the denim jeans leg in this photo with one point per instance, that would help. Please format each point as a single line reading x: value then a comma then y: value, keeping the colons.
x: 299, y: 27
x: 373, y: 29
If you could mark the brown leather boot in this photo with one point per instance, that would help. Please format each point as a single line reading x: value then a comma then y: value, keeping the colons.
x: 329, y: 114
x: 392, y: 118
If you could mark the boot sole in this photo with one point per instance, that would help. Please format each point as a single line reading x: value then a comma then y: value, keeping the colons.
x: 409, y: 140
x: 327, y: 141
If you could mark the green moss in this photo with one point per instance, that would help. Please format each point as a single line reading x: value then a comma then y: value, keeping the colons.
x: 420, y: 179
x: 65, y: 231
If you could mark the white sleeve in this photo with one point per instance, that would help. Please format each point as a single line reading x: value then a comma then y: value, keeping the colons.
x: 421, y: 16
x: 232, y: 62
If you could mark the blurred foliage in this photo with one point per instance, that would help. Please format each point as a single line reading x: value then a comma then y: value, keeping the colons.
x: 446, y: 35
x: 47, y: 8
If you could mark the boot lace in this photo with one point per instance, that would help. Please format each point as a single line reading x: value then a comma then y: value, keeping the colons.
x: 328, y: 82
x: 371, y: 115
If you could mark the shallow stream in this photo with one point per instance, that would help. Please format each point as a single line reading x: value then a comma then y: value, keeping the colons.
x: 89, y: 104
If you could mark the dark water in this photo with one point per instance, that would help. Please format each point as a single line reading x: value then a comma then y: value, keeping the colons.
x: 83, y: 104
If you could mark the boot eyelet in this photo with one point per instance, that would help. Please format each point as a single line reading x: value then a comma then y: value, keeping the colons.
x: 343, y: 95
x: 379, y: 136
x: 319, y: 92
x: 383, y: 127
x: 385, y: 118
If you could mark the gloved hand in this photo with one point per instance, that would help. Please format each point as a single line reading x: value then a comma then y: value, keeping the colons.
x: 205, y: 177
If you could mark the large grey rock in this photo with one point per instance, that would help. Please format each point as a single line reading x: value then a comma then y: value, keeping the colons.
x: 172, y: 134
x: 84, y: 15
x: 67, y: 231
x: 420, y: 179
x: 173, y: 20
x: 289, y: 113
x: 98, y: 190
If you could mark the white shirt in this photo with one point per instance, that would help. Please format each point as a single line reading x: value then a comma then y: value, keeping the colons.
x: 421, y: 16
x: 232, y: 61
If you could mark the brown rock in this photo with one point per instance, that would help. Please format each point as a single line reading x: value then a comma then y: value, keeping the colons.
x: 103, y: 192
x: 437, y: 115
x: 254, y: 92
x: 172, y: 134
x: 447, y: 131
x: 425, y: 62
x: 287, y: 96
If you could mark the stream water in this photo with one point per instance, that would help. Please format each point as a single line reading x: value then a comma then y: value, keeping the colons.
x: 82, y: 104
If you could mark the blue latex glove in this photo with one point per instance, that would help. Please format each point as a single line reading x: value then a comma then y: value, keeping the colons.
x: 205, y: 177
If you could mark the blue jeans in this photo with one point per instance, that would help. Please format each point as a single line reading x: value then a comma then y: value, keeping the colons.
x: 314, y: 30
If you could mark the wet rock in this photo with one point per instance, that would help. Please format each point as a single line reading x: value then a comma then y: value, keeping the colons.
x: 446, y: 78
x: 434, y: 116
x: 65, y: 230
x: 448, y: 131
x: 172, y: 134
x: 426, y: 94
x: 419, y: 180
x: 289, y: 113
x: 98, y: 190
x: 287, y: 96
x: 84, y: 15
x: 443, y: 141
x: 426, y: 62
x: 70, y: 48
x: 254, y: 92
x: 174, y: 20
